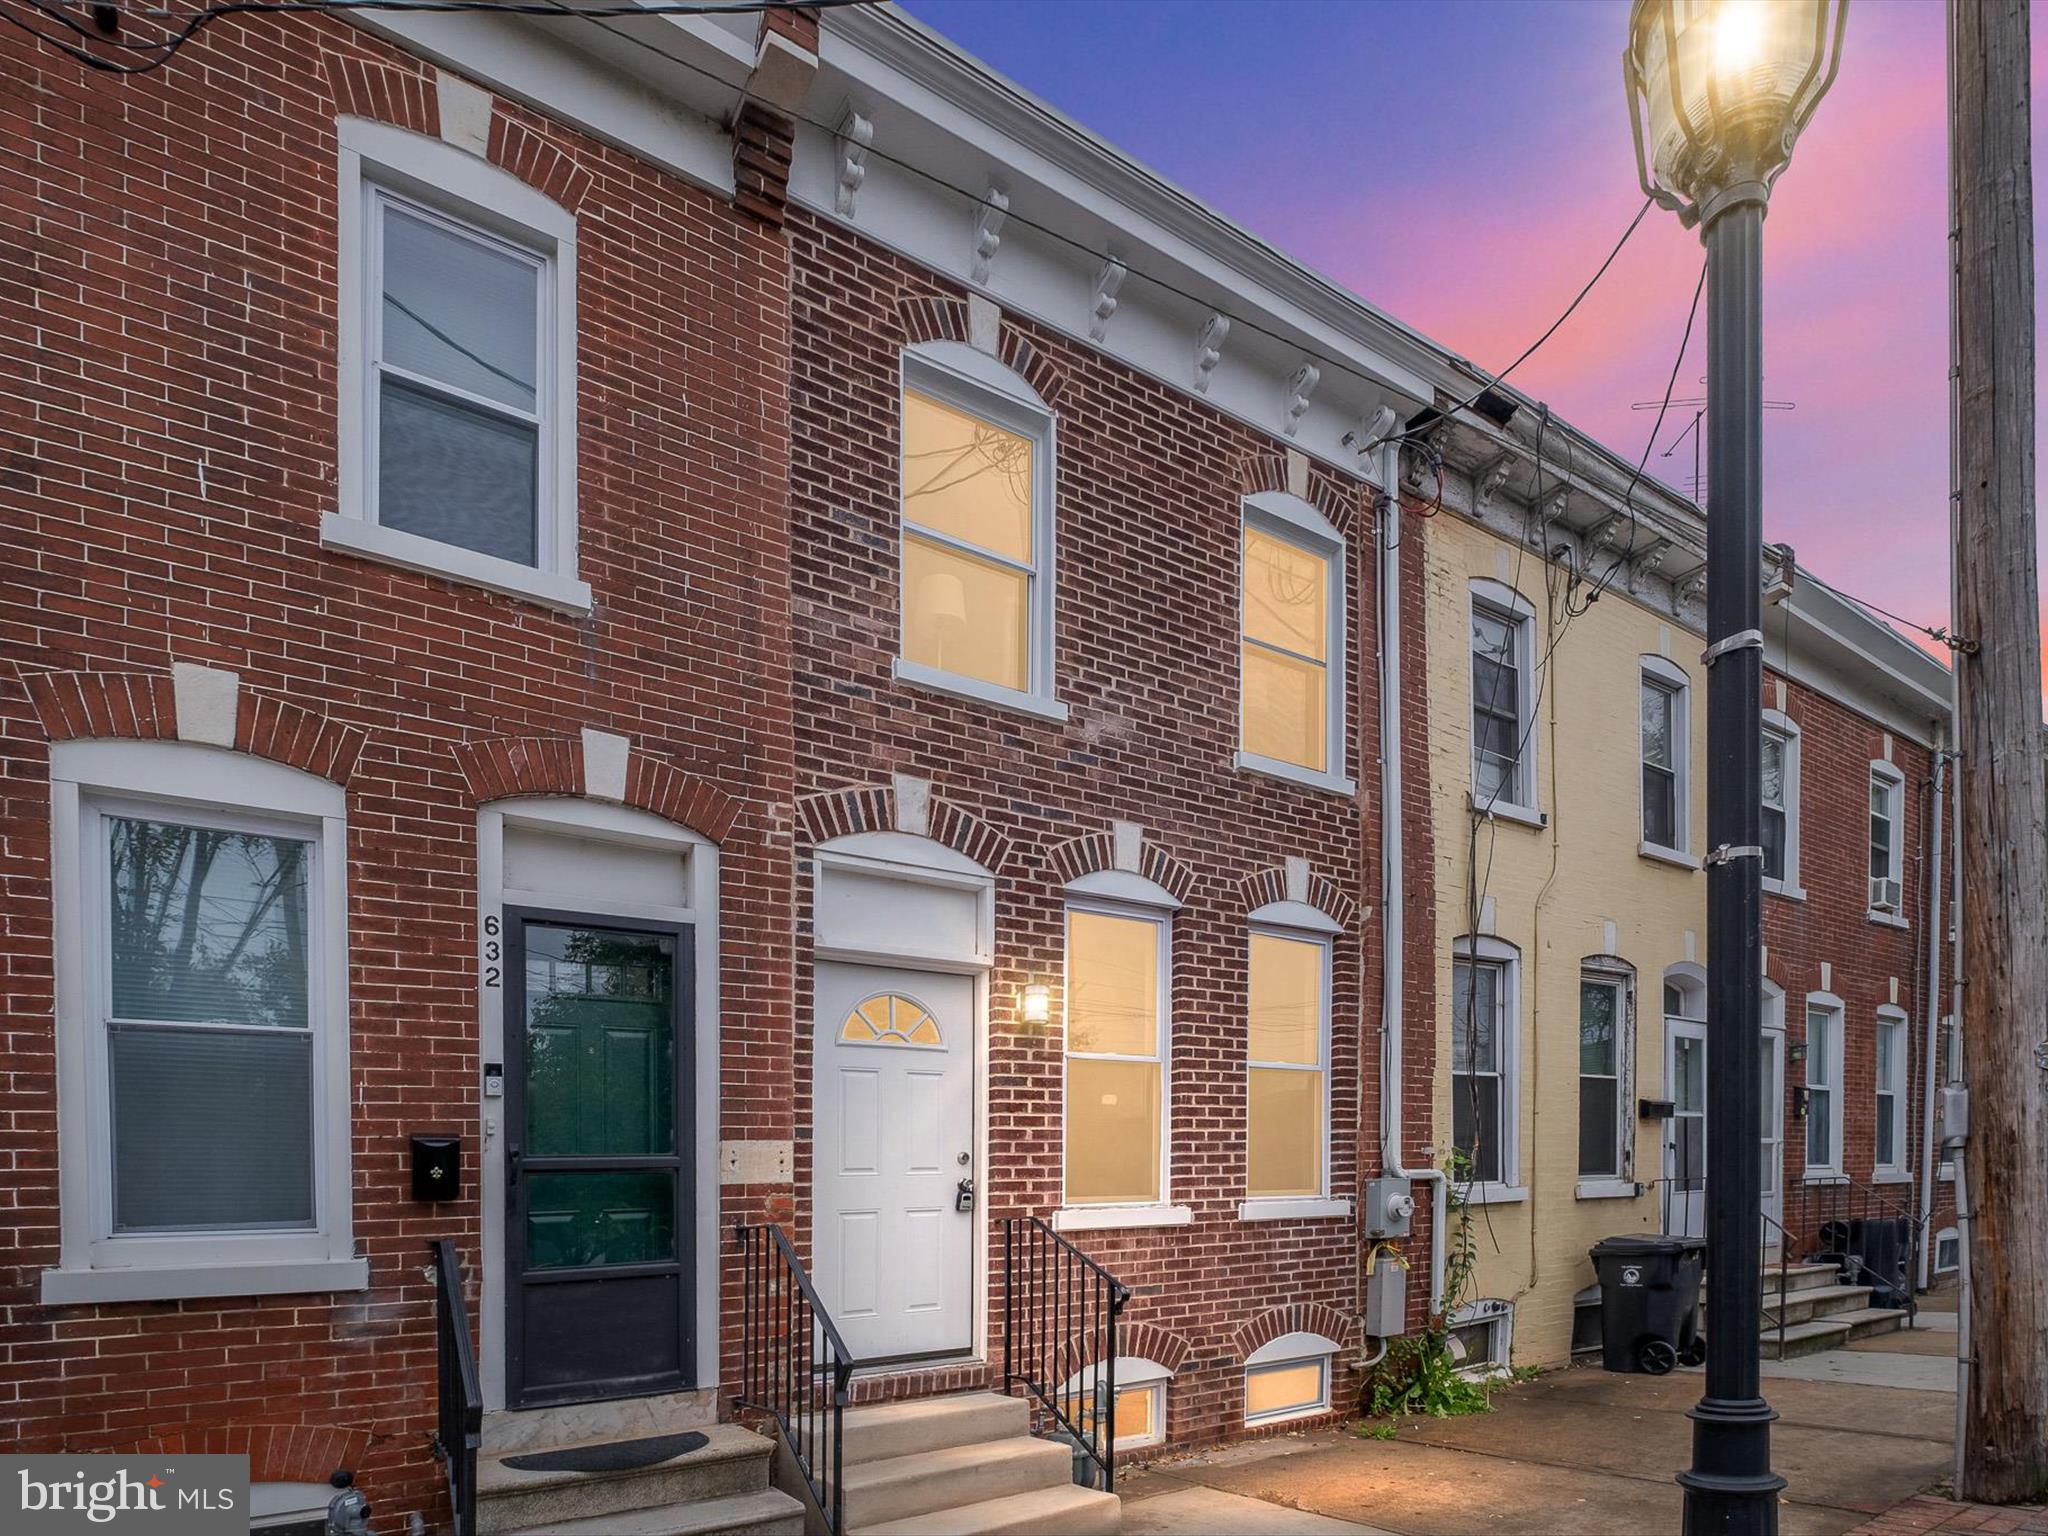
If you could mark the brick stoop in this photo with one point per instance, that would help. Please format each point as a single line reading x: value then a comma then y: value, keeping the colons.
x: 1928, y: 1512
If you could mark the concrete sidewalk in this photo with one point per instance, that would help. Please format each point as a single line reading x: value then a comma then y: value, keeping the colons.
x: 1582, y: 1453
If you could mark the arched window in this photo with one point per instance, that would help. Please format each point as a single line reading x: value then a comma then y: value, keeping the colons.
x: 888, y: 1018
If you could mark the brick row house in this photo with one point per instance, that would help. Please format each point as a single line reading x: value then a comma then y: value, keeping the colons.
x: 629, y: 630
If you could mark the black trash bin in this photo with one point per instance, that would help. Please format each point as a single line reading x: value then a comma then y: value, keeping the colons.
x: 1649, y: 1302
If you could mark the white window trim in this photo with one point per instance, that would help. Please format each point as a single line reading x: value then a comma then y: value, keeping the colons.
x: 1832, y: 1168
x: 173, y: 779
x: 977, y: 384
x: 1659, y: 673
x: 1320, y: 1204
x: 1084, y: 1216
x: 1944, y: 1234
x: 1781, y: 725
x: 1133, y: 1374
x: 1896, y: 1171
x: 1294, y: 521
x: 1622, y: 979
x: 1508, y: 1189
x: 1499, y: 1317
x: 1509, y: 606
x: 1292, y: 1349
x: 1896, y: 781
x: 376, y: 157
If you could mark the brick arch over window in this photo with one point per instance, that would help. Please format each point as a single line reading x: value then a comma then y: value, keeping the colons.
x: 1148, y: 1341
x: 872, y: 808
x: 1264, y: 887
x: 1338, y: 499
x: 410, y: 99
x: 143, y: 706
x: 928, y: 317
x: 1300, y: 1317
x: 1094, y: 852
x: 278, y: 1453
x: 500, y: 767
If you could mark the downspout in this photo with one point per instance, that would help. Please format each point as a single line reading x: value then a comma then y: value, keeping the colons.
x: 1930, y: 1076
x: 1387, y: 597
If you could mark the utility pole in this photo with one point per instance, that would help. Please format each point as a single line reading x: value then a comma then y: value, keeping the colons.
x: 2003, y: 817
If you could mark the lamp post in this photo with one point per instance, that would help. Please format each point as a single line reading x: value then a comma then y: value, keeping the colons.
x: 1718, y: 91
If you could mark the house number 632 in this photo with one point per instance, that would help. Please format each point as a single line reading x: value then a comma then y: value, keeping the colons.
x: 492, y: 953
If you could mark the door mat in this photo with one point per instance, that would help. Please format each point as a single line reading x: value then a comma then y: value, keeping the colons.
x: 613, y: 1456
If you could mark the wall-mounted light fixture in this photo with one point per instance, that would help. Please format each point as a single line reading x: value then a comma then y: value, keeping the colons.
x: 1037, y: 1008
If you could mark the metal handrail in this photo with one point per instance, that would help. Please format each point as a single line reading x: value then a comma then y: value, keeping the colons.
x: 1784, y: 1270
x: 794, y: 1366
x: 1060, y: 1309
x: 459, y: 1429
x: 1845, y: 1198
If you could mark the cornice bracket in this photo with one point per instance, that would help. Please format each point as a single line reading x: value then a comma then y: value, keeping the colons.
x: 856, y: 134
x: 1107, y: 282
x: 989, y: 215
x: 1209, y: 350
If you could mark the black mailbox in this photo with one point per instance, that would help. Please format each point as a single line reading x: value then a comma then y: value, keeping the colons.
x: 1655, y: 1109
x: 436, y: 1167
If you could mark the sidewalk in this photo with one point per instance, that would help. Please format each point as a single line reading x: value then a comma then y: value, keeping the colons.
x: 1862, y: 1434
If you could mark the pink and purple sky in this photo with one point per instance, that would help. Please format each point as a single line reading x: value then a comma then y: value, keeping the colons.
x: 1465, y: 165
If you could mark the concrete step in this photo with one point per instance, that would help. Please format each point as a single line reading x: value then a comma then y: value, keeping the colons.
x: 885, y: 1430
x: 1798, y: 1277
x: 768, y: 1512
x: 877, y: 1492
x: 733, y: 1461
x: 1065, y: 1511
x: 1803, y: 1339
x: 1817, y: 1302
x: 1868, y: 1322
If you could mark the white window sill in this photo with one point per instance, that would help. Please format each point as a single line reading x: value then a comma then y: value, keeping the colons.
x: 394, y: 546
x: 1781, y: 888
x: 1607, y: 1189
x: 1495, y: 1193
x: 1891, y: 1176
x: 1668, y: 856
x: 1294, y: 773
x: 1286, y: 1415
x: 1823, y: 1176
x: 1889, y: 919
x: 63, y: 1287
x: 1291, y: 1208
x: 918, y: 675
x: 1502, y: 810
x: 1115, y: 1218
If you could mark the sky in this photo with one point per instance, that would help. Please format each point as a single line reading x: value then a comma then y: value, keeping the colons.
x: 1466, y: 164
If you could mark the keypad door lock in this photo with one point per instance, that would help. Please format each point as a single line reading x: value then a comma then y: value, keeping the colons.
x: 963, y: 1195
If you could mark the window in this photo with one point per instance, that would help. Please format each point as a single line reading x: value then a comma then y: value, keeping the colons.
x: 1481, y: 1338
x: 1891, y: 1092
x: 1286, y: 1133
x: 1117, y: 994
x: 1291, y: 649
x: 1665, y: 755
x: 202, y: 1024
x: 1948, y: 1251
x: 458, y: 372
x: 1288, y: 1378
x: 1484, y: 1096
x: 1603, y: 1109
x: 1140, y: 1401
x: 1823, y: 1086
x: 1503, y: 770
x: 1780, y: 804
x: 977, y: 530
x: 887, y: 1019
x: 1887, y: 834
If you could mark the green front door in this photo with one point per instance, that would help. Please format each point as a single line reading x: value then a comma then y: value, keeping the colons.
x: 597, y: 1172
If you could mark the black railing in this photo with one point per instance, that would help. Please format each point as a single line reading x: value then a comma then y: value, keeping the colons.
x: 459, y: 1430
x: 1059, y: 1336
x: 1846, y: 1223
x: 794, y: 1366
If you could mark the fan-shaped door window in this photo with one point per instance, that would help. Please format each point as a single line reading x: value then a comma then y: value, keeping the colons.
x: 889, y: 1019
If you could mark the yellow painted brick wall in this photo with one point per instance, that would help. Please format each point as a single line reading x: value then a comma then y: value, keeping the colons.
x: 1553, y: 893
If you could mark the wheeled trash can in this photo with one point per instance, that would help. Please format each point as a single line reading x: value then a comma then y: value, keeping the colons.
x: 1649, y: 1302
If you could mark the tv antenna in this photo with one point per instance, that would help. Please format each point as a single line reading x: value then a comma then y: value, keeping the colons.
x: 1692, y: 430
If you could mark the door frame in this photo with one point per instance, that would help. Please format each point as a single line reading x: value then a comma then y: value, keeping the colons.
x: 1673, y: 1027
x: 1774, y: 1061
x: 600, y: 822
x: 916, y: 860
x: 682, y: 1010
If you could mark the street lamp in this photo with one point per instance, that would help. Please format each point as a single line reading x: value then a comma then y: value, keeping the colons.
x: 1718, y: 92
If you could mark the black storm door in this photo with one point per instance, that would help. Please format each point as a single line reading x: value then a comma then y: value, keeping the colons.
x: 598, y: 1183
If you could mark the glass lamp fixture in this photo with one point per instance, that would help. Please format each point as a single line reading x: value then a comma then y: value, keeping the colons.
x: 1037, y: 1007
x: 1720, y: 90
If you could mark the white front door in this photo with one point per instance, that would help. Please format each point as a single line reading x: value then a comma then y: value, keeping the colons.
x: 1685, y: 1135
x: 893, y: 1144
x: 1773, y: 1136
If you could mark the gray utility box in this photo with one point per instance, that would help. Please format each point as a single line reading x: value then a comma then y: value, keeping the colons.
x: 1388, y: 1206
x: 1386, y: 1297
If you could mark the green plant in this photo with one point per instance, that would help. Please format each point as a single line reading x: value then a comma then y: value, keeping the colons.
x: 1386, y: 1429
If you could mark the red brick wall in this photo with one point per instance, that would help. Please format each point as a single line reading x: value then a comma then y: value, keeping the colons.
x: 1832, y: 925
x: 1149, y: 496
x: 167, y: 299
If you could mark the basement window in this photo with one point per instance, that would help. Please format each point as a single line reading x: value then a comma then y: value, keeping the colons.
x: 1481, y: 1338
x: 1288, y: 1378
